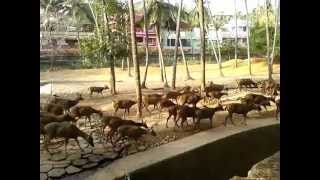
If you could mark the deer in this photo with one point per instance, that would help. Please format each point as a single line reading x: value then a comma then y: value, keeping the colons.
x: 98, y: 90
x: 67, y: 131
x: 204, y: 113
x: 240, y: 108
x: 86, y: 111
x: 123, y: 104
x: 150, y: 99
x: 67, y: 103
x: 133, y: 132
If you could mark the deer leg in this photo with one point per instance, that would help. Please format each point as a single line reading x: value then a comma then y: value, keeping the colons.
x: 210, y: 123
x: 66, y: 140
x: 168, y: 120
x: 265, y: 107
x: 232, y: 120
x: 78, y: 144
x: 89, y: 119
x: 245, y: 119
x: 146, y: 106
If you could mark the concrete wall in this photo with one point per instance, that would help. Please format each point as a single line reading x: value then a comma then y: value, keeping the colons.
x: 220, y: 160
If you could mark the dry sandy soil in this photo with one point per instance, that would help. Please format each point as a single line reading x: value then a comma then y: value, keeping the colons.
x: 68, y: 82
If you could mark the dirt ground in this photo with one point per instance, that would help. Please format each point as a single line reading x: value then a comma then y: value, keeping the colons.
x: 69, y: 82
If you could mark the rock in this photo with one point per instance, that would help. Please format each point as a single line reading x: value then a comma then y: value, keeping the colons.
x: 86, y: 155
x: 90, y: 165
x: 71, y: 169
x: 96, y: 158
x: 267, y: 168
x: 86, y: 151
x: 105, y: 164
x: 56, y: 173
x: 142, y: 148
x: 99, y: 151
x: 132, y: 151
x: 74, y: 156
x: 45, y: 168
x: 58, y: 157
x: 110, y: 155
x: 79, y: 162
x: 43, y: 176
x: 61, y: 164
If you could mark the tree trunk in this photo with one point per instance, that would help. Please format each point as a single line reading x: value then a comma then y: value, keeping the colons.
x: 236, y: 37
x: 143, y: 85
x: 248, y: 38
x: 188, y: 77
x: 219, y: 63
x: 174, y: 67
x: 112, y: 80
x: 202, y: 46
x: 134, y: 57
x: 128, y: 66
x: 162, y: 66
x: 275, y: 33
x: 267, y: 36
x: 122, y: 64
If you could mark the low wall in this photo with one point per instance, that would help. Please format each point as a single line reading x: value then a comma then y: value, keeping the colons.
x: 217, y: 158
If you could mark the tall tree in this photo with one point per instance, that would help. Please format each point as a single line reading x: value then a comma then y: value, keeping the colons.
x: 202, y: 45
x: 143, y: 85
x: 187, y: 75
x: 267, y: 4
x: 159, y: 17
x: 236, y: 36
x: 174, y: 67
x: 112, y: 80
x: 248, y: 37
x: 134, y: 57
x: 277, y: 12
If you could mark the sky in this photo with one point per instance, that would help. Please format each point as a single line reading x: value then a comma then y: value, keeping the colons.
x: 225, y: 6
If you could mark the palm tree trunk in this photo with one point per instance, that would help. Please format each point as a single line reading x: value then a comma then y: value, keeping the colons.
x: 275, y: 34
x: 112, y: 80
x: 267, y: 36
x: 122, y: 64
x: 188, y: 77
x: 128, y: 48
x: 219, y: 63
x: 128, y: 66
x: 236, y: 37
x: 174, y: 67
x: 162, y: 66
x: 143, y: 85
x: 202, y: 46
x: 248, y: 38
x: 134, y: 57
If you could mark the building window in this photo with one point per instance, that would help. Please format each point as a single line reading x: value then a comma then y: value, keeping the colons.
x: 244, y: 28
x: 139, y: 39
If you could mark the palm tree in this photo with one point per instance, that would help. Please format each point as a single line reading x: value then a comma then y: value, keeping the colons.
x: 277, y: 12
x: 143, y: 85
x: 248, y: 37
x: 202, y: 46
x: 134, y: 57
x: 174, y: 67
x: 187, y: 76
x: 267, y: 37
x: 236, y: 36
x: 106, y: 25
x: 159, y: 16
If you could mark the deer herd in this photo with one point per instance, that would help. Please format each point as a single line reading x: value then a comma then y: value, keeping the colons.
x: 58, y: 117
